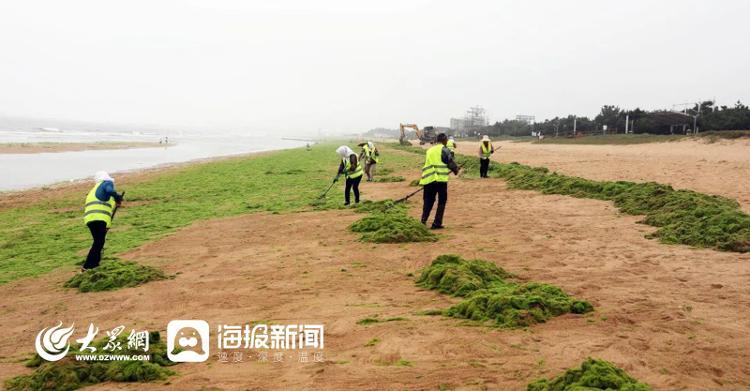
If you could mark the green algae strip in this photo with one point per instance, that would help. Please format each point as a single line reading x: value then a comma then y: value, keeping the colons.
x: 490, y: 294
x: 681, y: 216
x: 593, y: 375
x: 49, y: 234
x: 71, y: 374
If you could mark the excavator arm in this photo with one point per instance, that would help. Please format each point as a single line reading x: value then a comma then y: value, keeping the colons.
x: 402, y: 140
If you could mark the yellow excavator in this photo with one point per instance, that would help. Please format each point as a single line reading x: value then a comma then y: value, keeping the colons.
x: 428, y: 135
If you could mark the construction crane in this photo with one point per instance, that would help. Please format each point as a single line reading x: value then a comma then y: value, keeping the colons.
x: 427, y: 135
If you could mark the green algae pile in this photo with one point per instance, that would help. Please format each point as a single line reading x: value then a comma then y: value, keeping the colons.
x: 490, y: 297
x: 71, y: 374
x: 393, y: 226
x: 114, y: 274
x: 592, y: 375
x: 380, y: 206
x: 453, y: 275
x: 388, y: 222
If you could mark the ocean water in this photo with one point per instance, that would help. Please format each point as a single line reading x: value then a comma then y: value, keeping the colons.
x: 25, y: 171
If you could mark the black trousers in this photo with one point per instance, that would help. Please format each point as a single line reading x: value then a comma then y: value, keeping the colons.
x: 98, y: 233
x: 484, y: 166
x: 352, y: 184
x: 439, y: 189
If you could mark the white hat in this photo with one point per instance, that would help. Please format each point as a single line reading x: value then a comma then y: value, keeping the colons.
x: 101, y: 176
x: 485, y: 138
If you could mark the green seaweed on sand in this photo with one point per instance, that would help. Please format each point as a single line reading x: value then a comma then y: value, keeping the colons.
x: 489, y: 296
x: 380, y: 206
x: 593, y: 375
x: 456, y: 276
x: 681, y: 216
x: 70, y: 374
x: 387, y: 179
x: 114, y: 274
x: 392, y: 226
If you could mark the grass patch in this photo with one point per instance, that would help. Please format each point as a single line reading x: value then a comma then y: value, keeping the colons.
x: 70, y: 374
x: 490, y: 297
x: 387, y: 223
x: 387, y: 179
x: 114, y: 274
x: 47, y: 234
x: 592, y: 375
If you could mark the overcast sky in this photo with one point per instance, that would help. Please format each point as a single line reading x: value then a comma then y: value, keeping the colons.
x: 341, y: 66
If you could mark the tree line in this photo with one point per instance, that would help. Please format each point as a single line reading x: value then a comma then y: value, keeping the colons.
x: 703, y: 116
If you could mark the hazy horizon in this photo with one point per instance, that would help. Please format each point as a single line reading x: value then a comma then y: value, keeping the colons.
x: 296, y: 67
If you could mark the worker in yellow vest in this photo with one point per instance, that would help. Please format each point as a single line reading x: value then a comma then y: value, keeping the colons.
x: 451, y: 145
x: 485, y: 151
x: 438, y: 165
x: 100, y: 205
x: 352, y: 170
x: 370, y: 157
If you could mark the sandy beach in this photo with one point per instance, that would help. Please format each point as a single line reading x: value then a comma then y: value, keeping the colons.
x: 12, y: 148
x: 720, y: 168
x: 671, y: 315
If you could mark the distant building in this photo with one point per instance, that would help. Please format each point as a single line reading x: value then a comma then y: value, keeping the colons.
x: 474, y: 119
x: 529, y: 119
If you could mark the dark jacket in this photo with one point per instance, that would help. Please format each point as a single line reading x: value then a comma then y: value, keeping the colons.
x: 447, y: 157
x: 106, y: 190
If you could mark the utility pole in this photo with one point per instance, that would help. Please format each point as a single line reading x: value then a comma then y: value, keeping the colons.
x: 627, y: 120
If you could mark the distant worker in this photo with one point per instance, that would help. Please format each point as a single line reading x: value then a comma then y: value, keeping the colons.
x: 370, y: 156
x: 451, y: 146
x: 352, y: 170
x: 540, y: 134
x: 100, y: 205
x: 438, y: 164
x: 485, y: 151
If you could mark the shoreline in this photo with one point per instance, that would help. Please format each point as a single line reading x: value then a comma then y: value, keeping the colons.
x: 18, y: 148
x: 23, y: 197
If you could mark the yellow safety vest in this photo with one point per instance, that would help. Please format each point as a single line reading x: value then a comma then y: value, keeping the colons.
x: 451, y: 145
x: 486, y: 151
x: 434, y: 169
x: 370, y: 153
x: 357, y: 171
x: 96, y: 210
